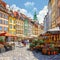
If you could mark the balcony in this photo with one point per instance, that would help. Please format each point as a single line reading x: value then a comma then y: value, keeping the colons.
x: 58, y: 21
x: 58, y: 3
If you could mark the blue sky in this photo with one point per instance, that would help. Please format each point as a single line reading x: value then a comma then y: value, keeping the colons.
x: 28, y: 7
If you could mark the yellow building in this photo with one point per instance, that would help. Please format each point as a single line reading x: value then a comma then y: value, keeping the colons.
x: 40, y: 29
x: 53, y: 8
x: 35, y: 30
x: 19, y: 26
x: 12, y: 24
x: 58, y: 13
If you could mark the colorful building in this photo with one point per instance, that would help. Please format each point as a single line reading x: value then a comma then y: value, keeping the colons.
x: 54, y: 12
x: 26, y: 25
x: 34, y: 29
x: 40, y: 29
x: 12, y: 24
x: 30, y: 27
x: 3, y: 17
x: 19, y: 25
x: 58, y: 13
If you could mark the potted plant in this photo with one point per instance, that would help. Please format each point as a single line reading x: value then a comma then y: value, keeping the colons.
x: 41, y: 42
x: 37, y: 46
x: 35, y: 41
x: 1, y: 40
x: 32, y: 46
x: 56, y: 50
x: 44, y: 50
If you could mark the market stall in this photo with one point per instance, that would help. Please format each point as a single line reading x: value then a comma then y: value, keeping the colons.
x: 52, y: 41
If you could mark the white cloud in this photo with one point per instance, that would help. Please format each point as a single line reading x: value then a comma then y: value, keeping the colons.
x: 29, y: 4
x: 23, y: 11
x: 14, y: 7
x: 28, y: 14
x: 34, y: 9
x: 42, y: 14
x: 20, y: 10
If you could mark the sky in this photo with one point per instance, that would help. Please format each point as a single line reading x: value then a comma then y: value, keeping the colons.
x: 28, y: 7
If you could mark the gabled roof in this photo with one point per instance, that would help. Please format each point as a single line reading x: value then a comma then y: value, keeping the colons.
x: 3, y: 3
x: 21, y: 16
x: 24, y: 16
x: 16, y: 14
x: 3, y: 6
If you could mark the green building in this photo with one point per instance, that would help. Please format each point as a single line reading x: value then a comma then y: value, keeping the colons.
x: 26, y: 25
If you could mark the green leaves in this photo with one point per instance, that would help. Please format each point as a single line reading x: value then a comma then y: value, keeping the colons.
x: 41, y: 41
x: 1, y: 39
x: 32, y: 45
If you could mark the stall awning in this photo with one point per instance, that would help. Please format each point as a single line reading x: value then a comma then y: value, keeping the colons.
x: 54, y: 30
x: 34, y: 36
x: 2, y: 33
x: 7, y: 34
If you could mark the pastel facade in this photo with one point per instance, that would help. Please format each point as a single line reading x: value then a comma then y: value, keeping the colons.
x: 58, y: 13
x: 3, y: 17
x: 54, y: 12
x: 12, y: 25
x: 19, y: 26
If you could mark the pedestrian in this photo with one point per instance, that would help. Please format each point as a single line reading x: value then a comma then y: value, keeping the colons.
x: 23, y: 42
x: 19, y: 43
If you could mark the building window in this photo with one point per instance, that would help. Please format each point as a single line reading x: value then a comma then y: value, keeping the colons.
x: 5, y: 22
x: 5, y: 29
x: 59, y: 12
x: 14, y: 27
x: 10, y: 20
x: 10, y: 26
x: 0, y: 14
x: 5, y: 16
x: 0, y: 27
x: 0, y: 21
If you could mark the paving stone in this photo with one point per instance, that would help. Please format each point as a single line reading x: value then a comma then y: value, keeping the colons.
x: 24, y: 54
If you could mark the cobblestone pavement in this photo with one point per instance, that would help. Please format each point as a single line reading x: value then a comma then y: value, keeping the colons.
x: 22, y: 53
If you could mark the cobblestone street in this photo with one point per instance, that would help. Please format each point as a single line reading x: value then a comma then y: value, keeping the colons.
x: 22, y: 53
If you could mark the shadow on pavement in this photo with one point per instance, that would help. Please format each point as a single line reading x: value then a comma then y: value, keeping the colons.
x: 40, y: 56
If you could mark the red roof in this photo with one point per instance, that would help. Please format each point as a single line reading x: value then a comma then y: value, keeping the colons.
x: 3, y: 3
x: 15, y: 13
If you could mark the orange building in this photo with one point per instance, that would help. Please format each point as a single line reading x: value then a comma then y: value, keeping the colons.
x: 3, y: 17
x: 35, y: 29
